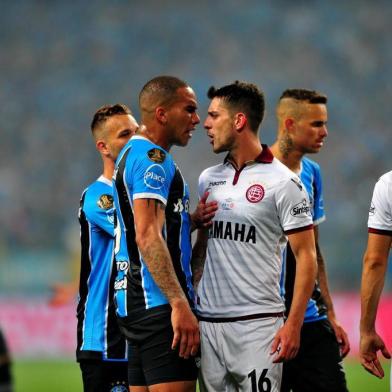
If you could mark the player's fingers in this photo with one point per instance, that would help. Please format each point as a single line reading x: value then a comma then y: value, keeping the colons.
x: 204, y: 198
x: 369, y: 366
x: 176, y: 339
x: 344, y: 346
x: 275, y: 344
x: 379, y: 371
x: 281, y: 351
x: 385, y: 352
x: 187, y: 345
x: 196, y: 343
x: 184, y: 349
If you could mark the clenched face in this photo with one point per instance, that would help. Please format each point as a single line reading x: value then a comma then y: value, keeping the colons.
x: 220, y: 126
x: 118, y: 130
x: 182, y: 117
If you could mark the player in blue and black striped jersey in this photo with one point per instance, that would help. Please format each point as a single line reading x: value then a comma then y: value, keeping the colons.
x: 101, y: 348
x: 302, y: 120
x: 154, y: 292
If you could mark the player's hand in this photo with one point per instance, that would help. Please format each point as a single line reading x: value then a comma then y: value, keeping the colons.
x: 286, y: 343
x: 63, y: 293
x: 341, y: 337
x: 205, y: 211
x: 368, y: 347
x: 185, y: 329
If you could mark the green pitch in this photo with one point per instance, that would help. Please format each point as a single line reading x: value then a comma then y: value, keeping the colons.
x: 64, y: 376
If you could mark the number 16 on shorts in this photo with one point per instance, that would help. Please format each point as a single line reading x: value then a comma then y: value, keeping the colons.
x: 262, y: 384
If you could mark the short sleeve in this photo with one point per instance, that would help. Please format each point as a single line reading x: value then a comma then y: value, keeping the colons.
x: 380, y: 214
x: 99, y: 211
x: 293, y: 206
x: 150, y: 180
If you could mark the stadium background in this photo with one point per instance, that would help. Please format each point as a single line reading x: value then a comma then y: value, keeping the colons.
x: 61, y: 60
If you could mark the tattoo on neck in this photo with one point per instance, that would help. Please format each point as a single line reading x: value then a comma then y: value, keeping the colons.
x: 286, y: 146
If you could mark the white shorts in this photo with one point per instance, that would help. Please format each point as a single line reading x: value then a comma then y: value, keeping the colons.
x: 235, y: 356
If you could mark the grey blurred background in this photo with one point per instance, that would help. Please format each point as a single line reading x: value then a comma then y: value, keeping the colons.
x: 60, y: 61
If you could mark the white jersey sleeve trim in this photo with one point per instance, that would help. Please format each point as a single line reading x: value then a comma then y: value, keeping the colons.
x: 146, y: 195
x: 319, y: 220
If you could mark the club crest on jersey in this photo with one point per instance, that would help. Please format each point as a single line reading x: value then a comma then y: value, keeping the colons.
x: 156, y: 155
x: 301, y: 209
x: 255, y: 193
x: 372, y: 209
x: 119, y: 386
x: 105, y: 202
x: 155, y: 177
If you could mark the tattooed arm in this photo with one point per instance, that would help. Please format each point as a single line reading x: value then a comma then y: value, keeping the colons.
x: 149, y: 220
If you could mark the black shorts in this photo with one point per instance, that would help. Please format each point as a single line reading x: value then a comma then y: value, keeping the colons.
x: 3, y: 345
x: 5, y: 365
x: 150, y: 357
x: 104, y: 376
x: 318, y: 364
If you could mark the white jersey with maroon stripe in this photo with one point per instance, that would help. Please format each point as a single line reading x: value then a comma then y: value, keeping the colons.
x: 258, y: 206
x: 380, y: 212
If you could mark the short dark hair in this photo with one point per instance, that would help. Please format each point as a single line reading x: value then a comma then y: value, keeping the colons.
x: 302, y: 94
x: 163, y: 90
x: 244, y: 97
x: 104, y: 112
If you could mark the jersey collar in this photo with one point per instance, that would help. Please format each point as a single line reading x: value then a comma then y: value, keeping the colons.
x: 265, y: 156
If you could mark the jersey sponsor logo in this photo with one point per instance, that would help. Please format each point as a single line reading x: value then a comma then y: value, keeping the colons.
x: 121, y: 284
x: 297, y: 182
x: 122, y: 265
x: 216, y: 183
x: 180, y: 207
x: 227, y: 204
x: 155, y: 177
x: 156, y: 155
x: 372, y: 209
x: 105, y: 202
x: 255, y: 193
x: 233, y: 231
x: 301, y: 210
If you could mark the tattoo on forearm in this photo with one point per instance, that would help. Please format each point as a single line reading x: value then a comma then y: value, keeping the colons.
x: 158, y: 205
x: 161, y: 268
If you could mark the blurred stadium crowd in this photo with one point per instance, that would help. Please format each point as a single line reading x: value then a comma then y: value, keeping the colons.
x: 62, y: 60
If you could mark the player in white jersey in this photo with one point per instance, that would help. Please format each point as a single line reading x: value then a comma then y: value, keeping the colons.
x: 302, y: 127
x: 375, y: 263
x: 261, y: 203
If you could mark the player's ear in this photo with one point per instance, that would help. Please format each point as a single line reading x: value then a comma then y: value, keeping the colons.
x: 240, y: 121
x: 102, y: 147
x: 160, y: 114
x: 289, y: 124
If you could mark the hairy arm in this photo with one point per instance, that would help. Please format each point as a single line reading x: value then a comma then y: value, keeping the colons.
x: 322, y: 278
x: 373, y: 274
x: 288, y: 337
x: 149, y: 220
x: 199, y: 255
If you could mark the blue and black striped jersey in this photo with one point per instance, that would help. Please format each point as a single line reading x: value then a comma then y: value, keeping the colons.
x: 311, y: 178
x: 98, y: 333
x: 146, y: 171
